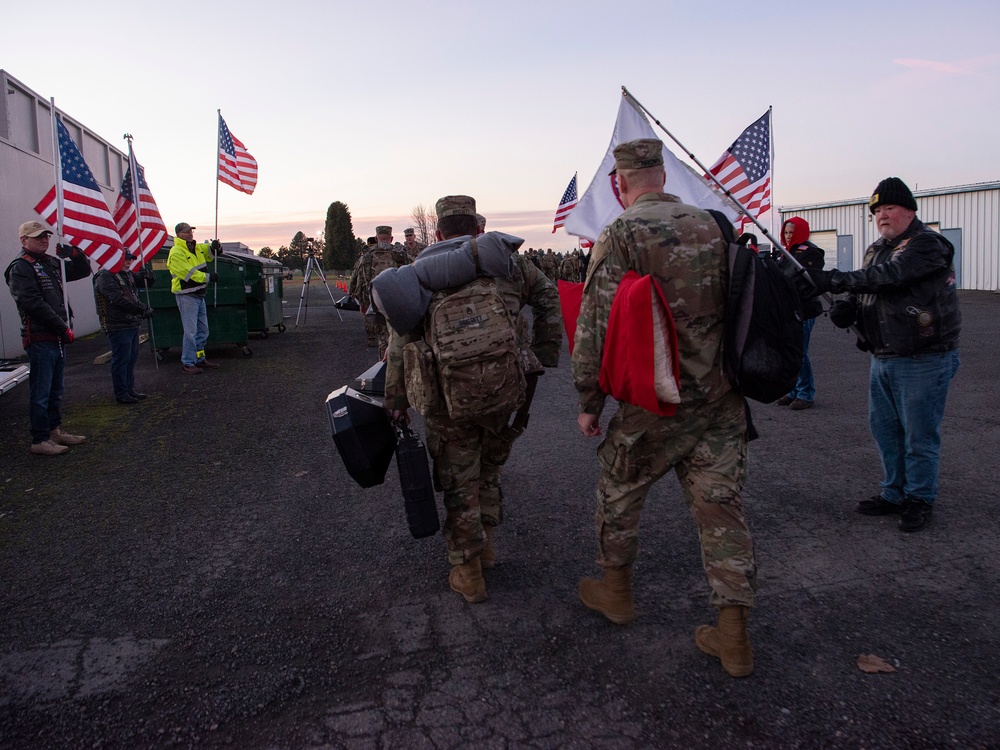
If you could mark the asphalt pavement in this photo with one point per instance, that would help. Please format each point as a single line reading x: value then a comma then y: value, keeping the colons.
x: 204, y: 573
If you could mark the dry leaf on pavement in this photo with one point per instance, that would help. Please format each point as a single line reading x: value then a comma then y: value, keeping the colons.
x: 871, y: 664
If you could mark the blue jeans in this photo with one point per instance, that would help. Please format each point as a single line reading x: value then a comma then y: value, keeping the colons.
x: 194, y: 320
x: 124, y: 354
x: 47, y: 360
x: 805, y: 386
x: 906, y: 397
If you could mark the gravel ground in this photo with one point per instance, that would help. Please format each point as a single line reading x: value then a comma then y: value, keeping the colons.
x: 204, y: 573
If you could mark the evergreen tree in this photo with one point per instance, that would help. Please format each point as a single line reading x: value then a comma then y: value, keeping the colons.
x: 341, y: 248
x: 266, y: 252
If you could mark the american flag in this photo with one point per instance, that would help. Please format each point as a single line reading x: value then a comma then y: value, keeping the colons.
x: 87, y: 221
x: 745, y: 168
x: 566, y: 204
x: 154, y: 232
x: 237, y: 167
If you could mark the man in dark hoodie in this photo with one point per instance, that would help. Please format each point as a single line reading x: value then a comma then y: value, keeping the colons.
x: 795, y: 236
x: 903, y: 301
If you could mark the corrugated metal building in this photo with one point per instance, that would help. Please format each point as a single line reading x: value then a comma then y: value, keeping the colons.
x: 968, y: 215
x: 26, y: 174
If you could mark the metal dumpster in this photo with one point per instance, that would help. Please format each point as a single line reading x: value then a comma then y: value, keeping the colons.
x: 264, y: 292
x: 227, y: 306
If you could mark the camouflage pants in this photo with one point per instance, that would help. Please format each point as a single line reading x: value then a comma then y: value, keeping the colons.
x: 371, y: 333
x: 706, y: 446
x: 381, y: 335
x: 468, y: 457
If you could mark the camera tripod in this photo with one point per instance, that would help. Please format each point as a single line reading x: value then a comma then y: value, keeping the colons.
x: 313, y: 266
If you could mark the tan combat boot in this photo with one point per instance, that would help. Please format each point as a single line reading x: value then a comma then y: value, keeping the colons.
x: 728, y: 641
x: 467, y: 579
x: 612, y: 596
x: 488, y: 556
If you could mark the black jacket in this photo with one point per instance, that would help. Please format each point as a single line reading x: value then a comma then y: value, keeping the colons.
x: 36, y: 285
x: 117, y: 297
x: 810, y: 257
x: 906, y: 296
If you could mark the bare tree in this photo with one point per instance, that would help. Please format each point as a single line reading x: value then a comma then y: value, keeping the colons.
x: 424, y: 224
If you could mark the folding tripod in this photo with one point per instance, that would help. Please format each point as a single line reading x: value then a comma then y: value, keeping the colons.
x: 313, y: 266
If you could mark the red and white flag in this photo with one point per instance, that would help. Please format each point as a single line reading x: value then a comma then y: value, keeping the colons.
x: 145, y: 244
x: 744, y: 169
x: 87, y: 220
x: 237, y: 167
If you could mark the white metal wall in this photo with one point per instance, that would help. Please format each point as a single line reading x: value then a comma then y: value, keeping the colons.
x: 26, y: 174
x: 975, y: 210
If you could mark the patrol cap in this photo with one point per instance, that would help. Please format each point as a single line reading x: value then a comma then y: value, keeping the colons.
x: 33, y: 229
x: 455, y: 205
x: 183, y: 227
x: 639, y: 154
x: 383, y: 229
x: 481, y: 221
x: 408, y: 232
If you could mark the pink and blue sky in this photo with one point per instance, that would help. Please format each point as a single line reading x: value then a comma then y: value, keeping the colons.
x: 386, y: 105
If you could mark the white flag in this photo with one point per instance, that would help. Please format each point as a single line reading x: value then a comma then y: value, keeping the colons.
x: 600, y: 204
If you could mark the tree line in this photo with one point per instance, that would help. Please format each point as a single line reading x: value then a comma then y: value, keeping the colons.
x: 337, y: 246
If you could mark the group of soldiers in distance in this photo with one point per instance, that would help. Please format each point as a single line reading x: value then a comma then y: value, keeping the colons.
x: 556, y: 266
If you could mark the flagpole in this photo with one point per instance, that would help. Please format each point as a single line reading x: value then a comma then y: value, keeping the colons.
x: 133, y: 166
x: 57, y: 166
x: 769, y: 235
x: 770, y: 130
x: 215, y: 256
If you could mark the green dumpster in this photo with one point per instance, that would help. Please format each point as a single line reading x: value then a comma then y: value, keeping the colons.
x: 227, y: 306
x: 264, y: 292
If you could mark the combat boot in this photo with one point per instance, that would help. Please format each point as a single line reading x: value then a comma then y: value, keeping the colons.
x: 611, y: 596
x: 467, y: 579
x: 728, y: 641
x: 488, y: 557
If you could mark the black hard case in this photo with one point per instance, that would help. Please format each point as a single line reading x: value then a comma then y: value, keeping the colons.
x: 415, y: 481
x: 363, y: 434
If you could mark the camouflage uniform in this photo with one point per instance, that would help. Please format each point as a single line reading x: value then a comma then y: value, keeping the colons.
x: 705, y: 441
x: 570, y: 270
x: 375, y: 325
x: 549, y: 266
x: 358, y: 288
x: 469, y: 455
x: 414, y: 251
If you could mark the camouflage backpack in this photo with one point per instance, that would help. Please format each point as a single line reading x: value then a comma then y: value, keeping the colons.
x: 382, y: 258
x: 474, y: 344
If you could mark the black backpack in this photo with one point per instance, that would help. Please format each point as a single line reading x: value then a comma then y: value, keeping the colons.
x: 762, y: 334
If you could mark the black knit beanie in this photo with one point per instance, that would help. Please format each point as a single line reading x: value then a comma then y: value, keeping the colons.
x: 892, y: 191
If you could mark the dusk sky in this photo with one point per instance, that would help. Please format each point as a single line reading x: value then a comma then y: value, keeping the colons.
x: 386, y: 105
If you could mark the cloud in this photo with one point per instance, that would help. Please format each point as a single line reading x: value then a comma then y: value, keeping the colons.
x: 965, y: 67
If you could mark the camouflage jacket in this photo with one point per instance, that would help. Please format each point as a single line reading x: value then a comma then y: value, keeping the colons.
x: 683, y: 248
x: 570, y: 270
x: 356, y: 287
x: 415, y: 251
x: 529, y: 287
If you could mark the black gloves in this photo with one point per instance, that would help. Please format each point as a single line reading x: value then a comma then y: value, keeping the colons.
x: 67, y: 251
x: 145, y: 277
x: 213, y: 278
x: 843, y: 313
x: 216, y: 247
x: 148, y: 312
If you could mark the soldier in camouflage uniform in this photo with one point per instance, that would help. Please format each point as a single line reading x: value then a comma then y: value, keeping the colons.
x: 570, y: 270
x: 469, y: 455
x: 357, y: 288
x: 384, y: 255
x: 549, y: 265
x: 410, y: 244
x: 704, y: 442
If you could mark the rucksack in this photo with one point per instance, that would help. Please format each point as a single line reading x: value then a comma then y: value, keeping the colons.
x: 382, y: 258
x: 474, y: 343
x: 762, y: 334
